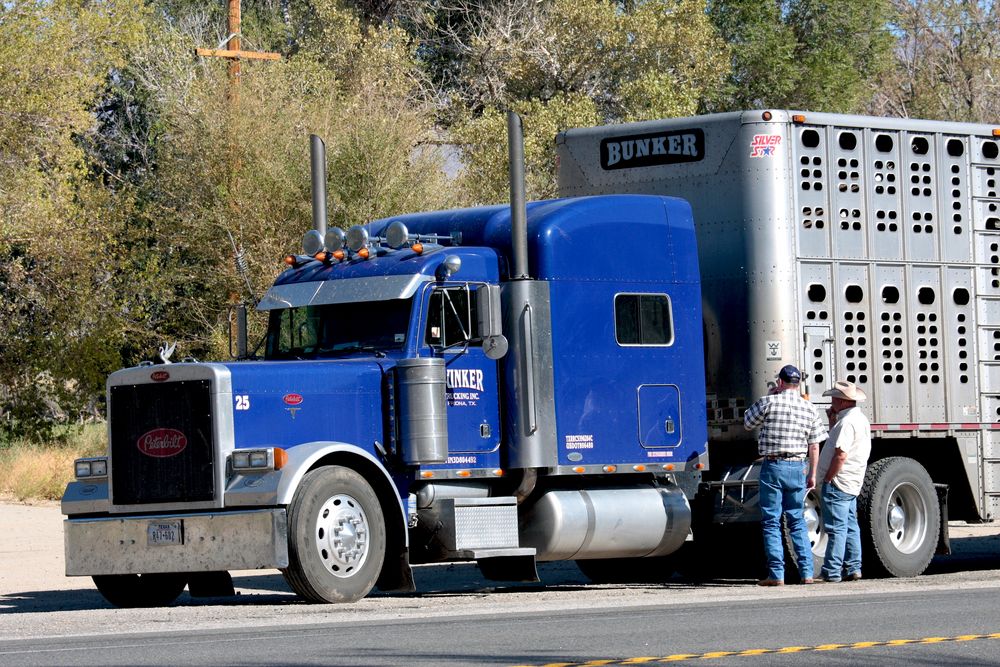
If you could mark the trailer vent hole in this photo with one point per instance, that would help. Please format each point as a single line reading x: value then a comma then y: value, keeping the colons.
x: 883, y: 143
x: 810, y: 138
x: 848, y: 141
x: 890, y: 294
x: 919, y: 145
x: 925, y: 295
x: 961, y: 296
x: 817, y: 293
x: 955, y: 148
x: 854, y: 294
x: 990, y: 150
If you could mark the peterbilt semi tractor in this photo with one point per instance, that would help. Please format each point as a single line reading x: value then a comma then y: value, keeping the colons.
x: 565, y: 379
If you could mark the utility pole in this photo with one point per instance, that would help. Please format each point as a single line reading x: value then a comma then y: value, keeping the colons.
x: 234, y: 52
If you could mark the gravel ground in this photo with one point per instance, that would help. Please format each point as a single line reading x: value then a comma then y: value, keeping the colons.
x: 32, y: 580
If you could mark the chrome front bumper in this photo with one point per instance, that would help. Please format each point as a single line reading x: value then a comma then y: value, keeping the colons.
x: 213, y: 541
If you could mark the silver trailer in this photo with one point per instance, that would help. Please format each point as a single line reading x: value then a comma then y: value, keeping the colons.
x: 858, y: 248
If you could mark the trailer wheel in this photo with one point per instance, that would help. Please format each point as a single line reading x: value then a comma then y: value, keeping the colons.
x: 140, y: 590
x: 899, y: 517
x: 336, y: 536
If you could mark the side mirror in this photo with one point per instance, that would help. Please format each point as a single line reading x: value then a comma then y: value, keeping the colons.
x: 491, y: 322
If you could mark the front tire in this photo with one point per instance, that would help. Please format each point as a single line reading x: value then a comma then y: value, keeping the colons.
x: 140, y: 590
x: 336, y: 537
x: 899, y: 517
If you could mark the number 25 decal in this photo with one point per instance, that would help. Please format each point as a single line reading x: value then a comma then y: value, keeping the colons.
x: 242, y: 402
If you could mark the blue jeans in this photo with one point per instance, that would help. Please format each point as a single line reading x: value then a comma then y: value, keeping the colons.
x: 783, y: 491
x: 843, y: 546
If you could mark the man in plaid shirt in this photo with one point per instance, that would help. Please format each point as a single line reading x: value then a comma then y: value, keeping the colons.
x: 790, y: 433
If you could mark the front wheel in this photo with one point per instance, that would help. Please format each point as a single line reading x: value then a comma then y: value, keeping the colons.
x: 336, y: 536
x: 899, y: 517
x: 140, y: 590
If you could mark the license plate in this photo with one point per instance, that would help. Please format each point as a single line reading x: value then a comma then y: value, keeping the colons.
x: 165, y: 533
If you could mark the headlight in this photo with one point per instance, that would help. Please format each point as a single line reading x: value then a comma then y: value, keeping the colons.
x: 89, y: 468
x: 259, y: 460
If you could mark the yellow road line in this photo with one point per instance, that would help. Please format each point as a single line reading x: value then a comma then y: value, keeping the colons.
x: 678, y: 657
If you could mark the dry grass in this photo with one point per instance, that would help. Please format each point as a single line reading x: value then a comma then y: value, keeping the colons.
x: 41, y: 471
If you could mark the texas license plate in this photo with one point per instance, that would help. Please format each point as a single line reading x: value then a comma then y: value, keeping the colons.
x: 165, y: 533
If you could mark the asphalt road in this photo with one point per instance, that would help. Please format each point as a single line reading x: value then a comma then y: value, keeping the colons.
x: 626, y: 635
x: 458, y: 618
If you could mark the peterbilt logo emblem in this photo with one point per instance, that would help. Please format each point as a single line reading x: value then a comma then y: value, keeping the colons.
x: 292, y: 399
x: 159, y: 376
x: 162, y: 442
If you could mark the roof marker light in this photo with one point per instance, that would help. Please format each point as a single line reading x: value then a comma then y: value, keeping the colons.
x: 357, y: 238
x: 364, y: 253
x: 766, y: 115
x: 798, y: 118
x: 339, y: 255
x: 334, y: 239
x: 418, y: 248
x: 291, y: 261
x: 312, y: 242
x: 396, y: 235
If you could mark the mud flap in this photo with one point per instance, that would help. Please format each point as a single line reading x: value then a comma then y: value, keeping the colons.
x: 509, y: 568
x: 944, y: 543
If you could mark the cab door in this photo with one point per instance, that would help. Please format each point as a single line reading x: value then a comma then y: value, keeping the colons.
x: 472, y: 390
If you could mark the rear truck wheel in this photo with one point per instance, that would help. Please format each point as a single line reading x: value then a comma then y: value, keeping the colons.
x: 812, y: 512
x: 140, y: 590
x: 899, y: 517
x: 336, y: 536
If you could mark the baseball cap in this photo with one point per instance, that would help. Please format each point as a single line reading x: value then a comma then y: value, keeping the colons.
x: 790, y: 374
x: 846, y: 390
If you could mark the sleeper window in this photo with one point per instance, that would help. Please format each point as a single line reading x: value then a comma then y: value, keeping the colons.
x: 643, y: 319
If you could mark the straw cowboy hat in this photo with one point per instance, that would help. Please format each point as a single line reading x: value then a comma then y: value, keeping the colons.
x: 846, y: 390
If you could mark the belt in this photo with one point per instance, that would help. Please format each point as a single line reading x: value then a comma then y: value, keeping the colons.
x: 784, y: 457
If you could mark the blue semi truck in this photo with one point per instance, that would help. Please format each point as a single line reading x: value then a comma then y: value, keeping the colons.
x: 545, y: 382
x: 487, y: 384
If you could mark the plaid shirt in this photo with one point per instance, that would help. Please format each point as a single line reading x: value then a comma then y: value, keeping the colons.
x: 789, y: 424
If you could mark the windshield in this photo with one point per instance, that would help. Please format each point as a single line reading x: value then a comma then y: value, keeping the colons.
x: 341, y: 328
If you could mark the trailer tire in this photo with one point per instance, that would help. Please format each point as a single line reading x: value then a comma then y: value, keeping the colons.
x: 336, y: 536
x: 899, y: 517
x: 140, y: 590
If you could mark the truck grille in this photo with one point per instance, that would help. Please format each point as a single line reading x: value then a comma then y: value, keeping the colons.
x: 162, y: 443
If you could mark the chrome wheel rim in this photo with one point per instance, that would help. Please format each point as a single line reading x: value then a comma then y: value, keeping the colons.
x: 813, y: 515
x: 906, y: 518
x: 342, y: 535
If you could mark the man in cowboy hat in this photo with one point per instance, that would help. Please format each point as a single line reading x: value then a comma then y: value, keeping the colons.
x: 842, y: 465
x: 788, y: 442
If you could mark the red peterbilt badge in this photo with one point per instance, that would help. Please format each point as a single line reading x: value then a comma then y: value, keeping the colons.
x: 292, y: 399
x: 159, y: 376
x: 162, y: 442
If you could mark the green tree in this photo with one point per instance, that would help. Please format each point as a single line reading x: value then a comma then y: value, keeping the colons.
x: 821, y: 55
x: 946, y: 64
x: 570, y: 63
x: 56, y: 221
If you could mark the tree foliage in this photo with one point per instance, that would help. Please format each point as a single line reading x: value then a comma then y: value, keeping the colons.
x: 822, y: 55
x: 947, y: 62
x: 130, y: 175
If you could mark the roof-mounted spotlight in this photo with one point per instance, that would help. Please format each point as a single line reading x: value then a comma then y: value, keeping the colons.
x: 449, y: 267
x: 396, y: 235
x: 334, y: 239
x: 312, y: 242
x: 357, y: 238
